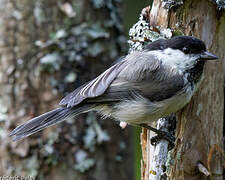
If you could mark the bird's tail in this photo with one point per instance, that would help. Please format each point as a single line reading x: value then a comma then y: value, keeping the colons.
x: 45, y: 120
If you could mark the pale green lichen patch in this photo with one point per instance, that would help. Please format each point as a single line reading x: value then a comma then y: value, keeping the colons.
x: 168, y: 4
x: 220, y: 4
x: 71, y: 77
x: 83, y: 163
x: 31, y: 165
x: 94, y: 134
x: 199, y: 110
x: 3, y: 112
x: 142, y: 33
x: 169, y: 162
x: 51, y: 62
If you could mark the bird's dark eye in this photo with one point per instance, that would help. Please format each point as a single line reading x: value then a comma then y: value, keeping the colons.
x: 186, y: 50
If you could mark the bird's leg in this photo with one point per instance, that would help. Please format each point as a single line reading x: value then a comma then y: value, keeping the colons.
x: 160, y: 135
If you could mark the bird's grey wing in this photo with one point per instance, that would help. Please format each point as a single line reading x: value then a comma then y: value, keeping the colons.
x: 143, y: 75
x: 92, y: 88
x: 154, y: 91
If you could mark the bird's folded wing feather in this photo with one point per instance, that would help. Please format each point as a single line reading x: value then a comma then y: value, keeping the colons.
x: 143, y: 75
x: 93, y: 88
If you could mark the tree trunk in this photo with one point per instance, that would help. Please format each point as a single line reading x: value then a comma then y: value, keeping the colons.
x: 200, y: 124
x: 48, y: 48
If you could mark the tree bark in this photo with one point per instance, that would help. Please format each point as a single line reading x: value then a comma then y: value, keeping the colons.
x: 200, y: 123
x: 48, y: 48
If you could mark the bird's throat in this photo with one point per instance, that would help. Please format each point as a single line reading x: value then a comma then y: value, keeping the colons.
x: 195, y: 73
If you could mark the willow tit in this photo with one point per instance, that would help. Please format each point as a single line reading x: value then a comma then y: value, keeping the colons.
x: 145, y: 86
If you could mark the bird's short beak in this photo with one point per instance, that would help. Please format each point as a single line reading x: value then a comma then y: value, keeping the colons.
x: 208, y: 56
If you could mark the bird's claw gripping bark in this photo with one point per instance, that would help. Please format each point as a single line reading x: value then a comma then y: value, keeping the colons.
x: 160, y: 135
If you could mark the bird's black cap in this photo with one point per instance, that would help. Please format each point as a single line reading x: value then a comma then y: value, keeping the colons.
x: 187, y: 44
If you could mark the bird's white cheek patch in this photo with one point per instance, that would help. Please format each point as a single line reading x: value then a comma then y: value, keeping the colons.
x: 175, y: 59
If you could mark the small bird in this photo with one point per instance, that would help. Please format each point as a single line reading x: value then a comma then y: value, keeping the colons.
x: 141, y: 88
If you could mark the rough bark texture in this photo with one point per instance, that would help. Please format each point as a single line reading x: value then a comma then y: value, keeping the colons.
x: 200, y: 123
x: 36, y: 70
